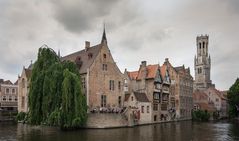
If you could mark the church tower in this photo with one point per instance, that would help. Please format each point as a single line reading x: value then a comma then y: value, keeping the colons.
x: 202, y: 64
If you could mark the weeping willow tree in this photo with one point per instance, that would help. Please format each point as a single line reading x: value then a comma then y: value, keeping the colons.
x: 233, y: 99
x: 55, y: 96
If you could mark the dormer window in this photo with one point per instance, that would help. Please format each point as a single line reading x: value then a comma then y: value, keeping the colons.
x: 78, y: 62
x: 90, y: 55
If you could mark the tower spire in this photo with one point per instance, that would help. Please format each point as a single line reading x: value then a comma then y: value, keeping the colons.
x: 104, y: 39
x: 59, y: 53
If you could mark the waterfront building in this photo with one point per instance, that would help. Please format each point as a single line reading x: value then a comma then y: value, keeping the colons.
x: 181, y: 90
x: 139, y: 107
x: 201, y: 102
x: 8, y: 95
x: 220, y: 102
x: 202, y: 64
x: 23, y: 88
x: 102, y: 81
x: 149, y: 80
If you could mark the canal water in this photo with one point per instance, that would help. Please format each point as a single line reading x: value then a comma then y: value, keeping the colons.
x: 177, y: 131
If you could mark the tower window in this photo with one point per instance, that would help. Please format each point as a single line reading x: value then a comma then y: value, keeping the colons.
x: 104, y: 56
x: 199, y: 70
x: 200, y: 45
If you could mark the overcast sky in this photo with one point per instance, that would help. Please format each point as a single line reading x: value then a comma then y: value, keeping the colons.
x: 136, y: 30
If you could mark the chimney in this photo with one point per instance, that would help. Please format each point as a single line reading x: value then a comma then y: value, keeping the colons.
x: 143, y: 64
x: 87, y: 45
x: 143, y: 68
x: 1, y: 81
x: 166, y: 60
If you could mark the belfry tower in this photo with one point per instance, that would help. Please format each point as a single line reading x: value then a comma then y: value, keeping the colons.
x: 202, y: 64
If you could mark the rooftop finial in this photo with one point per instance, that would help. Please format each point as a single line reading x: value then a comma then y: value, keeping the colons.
x: 104, y: 39
x: 59, y: 53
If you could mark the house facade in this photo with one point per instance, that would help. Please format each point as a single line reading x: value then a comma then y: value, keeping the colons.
x: 149, y: 80
x: 23, y: 88
x: 139, y: 108
x: 219, y: 101
x: 200, y: 101
x: 102, y: 81
x: 181, y: 89
x: 8, y: 95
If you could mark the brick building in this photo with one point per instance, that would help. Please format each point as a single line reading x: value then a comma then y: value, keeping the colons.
x: 102, y: 81
x: 154, y: 82
x: 181, y: 90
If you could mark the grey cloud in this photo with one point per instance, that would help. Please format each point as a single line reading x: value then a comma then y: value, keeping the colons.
x: 136, y: 31
x: 80, y: 16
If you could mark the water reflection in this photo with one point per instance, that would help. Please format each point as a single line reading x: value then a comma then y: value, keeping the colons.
x: 179, y: 131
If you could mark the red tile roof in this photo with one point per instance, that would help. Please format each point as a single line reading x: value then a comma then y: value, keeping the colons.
x: 163, y: 69
x: 151, y: 72
x: 133, y: 75
x: 217, y: 92
x: 198, y: 95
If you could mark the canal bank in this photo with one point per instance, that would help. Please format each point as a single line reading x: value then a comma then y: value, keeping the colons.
x: 173, y: 131
x: 104, y: 121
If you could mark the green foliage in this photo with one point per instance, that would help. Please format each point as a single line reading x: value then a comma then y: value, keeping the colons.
x: 200, y: 115
x: 233, y: 99
x: 21, y: 116
x: 55, y: 96
x: 215, y: 115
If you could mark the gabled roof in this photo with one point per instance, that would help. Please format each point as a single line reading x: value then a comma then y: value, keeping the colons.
x: 1, y: 81
x: 179, y: 68
x: 163, y: 69
x: 217, y: 92
x: 151, y: 72
x: 208, y: 107
x: 16, y: 83
x: 83, y: 57
x: 141, y: 97
x: 7, y: 82
x: 165, y: 74
x: 133, y: 75
x: 199, y: 95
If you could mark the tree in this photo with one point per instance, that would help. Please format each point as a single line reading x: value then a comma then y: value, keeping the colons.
x: 55, y: 96
x: 233, y: 99
x: 200, y: 115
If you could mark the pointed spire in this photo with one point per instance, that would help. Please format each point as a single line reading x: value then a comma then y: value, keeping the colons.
x: 104, y: 39
x: 59, y: 53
